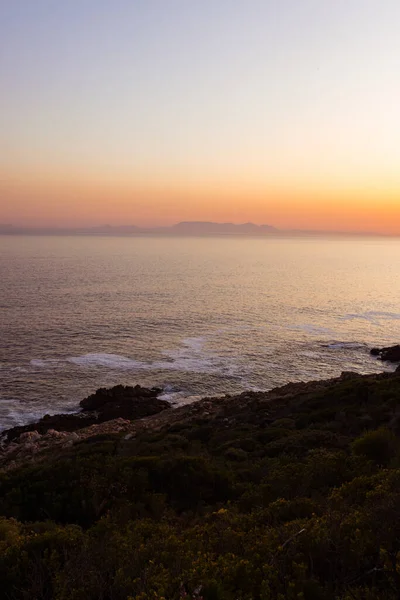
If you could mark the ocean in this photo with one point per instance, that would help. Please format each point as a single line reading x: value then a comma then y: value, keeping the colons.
x: 195, y: 316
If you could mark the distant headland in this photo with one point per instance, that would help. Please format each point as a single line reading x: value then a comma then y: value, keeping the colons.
x: 183, y: 228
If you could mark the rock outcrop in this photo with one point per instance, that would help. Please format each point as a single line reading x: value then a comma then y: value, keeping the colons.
x: 124, y: 401
x: 119, y: 402
x: 390, y: 353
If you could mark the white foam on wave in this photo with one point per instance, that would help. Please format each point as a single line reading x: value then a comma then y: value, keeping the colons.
x: 45, y: 362
x: 189, y: 357
x: 178, y: 398
x: 111, y: 361
x: 14, y: 412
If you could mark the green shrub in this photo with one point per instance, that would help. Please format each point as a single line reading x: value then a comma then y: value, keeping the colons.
x: 379, y: 446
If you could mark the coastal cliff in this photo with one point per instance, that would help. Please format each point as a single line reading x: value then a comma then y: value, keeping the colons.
x: 291, y: 493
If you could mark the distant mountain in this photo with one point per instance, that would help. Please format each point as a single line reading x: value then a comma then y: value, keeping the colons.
x: 183, y: 228
x: 113, y: 229
x: 98, y: 230
x: 209, y: 227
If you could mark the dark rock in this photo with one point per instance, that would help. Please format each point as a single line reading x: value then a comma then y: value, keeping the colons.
x: 124, y: 401
x: 119, y: 395
x: 62, y: 422
x: 106, y: 404
x: 390, y: 353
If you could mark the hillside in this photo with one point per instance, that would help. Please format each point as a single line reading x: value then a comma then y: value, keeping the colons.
x: 293, y: 493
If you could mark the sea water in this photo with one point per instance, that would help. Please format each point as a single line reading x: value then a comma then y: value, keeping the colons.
x: 195, y: 316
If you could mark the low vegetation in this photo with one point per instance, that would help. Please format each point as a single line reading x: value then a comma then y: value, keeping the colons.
x: 297, y: 498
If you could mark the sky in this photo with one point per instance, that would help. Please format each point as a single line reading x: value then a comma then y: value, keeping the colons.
x: 150, y: 112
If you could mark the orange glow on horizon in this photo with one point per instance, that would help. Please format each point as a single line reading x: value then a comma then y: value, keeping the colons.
x: 57, y: 201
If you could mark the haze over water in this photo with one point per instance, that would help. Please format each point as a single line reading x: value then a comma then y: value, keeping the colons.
x: 196, y: 316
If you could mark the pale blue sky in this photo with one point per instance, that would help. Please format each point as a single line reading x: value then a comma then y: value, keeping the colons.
x: 190, y: 91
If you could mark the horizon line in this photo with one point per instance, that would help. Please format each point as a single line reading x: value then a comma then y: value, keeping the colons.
x: 264, y: 230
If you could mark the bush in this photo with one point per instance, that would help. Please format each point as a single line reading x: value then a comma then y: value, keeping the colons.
x: 379, y: 446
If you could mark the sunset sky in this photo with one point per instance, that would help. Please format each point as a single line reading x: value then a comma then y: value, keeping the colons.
x: 154, y: 111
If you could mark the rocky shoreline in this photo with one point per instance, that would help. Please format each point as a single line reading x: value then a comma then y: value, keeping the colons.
x: 33, y: 442
x: 119, y: 402
x: 133, y: 410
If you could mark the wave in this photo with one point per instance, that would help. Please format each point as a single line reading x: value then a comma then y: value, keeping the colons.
x: 112, y: 361
x: 193, y: 356
x: 177, y: 396
x: 345, y: 346
x: 373, y: 316
x: 311, y: 329
x: 45, y: 362
x: 189, y: 357
x: 15, y: 412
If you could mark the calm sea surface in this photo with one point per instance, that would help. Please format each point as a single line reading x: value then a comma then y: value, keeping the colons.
x: 196, y: 316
